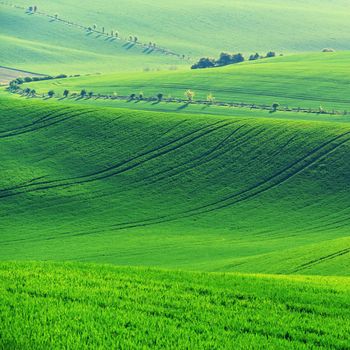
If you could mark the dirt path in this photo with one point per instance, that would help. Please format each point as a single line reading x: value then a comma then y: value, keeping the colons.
x: 7, y: 74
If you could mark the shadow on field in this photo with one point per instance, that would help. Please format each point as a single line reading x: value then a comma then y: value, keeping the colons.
x: 183, y: 107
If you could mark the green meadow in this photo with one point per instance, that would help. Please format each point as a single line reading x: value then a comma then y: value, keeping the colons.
x: 137, y: 223
x: 83, y: 306
x: 306, y: 81
x: 183, y: 191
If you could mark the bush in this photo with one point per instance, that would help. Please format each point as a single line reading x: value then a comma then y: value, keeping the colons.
x: 328, y: 50
x: 60, y: 76
x: 271, y: 54
x: 51, y: 93
x: 28, y: 79
x: 204, y: 62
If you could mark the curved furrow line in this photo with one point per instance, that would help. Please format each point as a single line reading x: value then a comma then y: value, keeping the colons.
x: 206, y: 157
x: 121, y: 163
x: 109, y: 172
x: 32, y: 129
x: 279, y: 178
x: 322, y: 259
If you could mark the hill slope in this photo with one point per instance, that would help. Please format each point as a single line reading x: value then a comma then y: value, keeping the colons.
x: 39, y: 43
x: 204, y: 28
x: 307, y: 81
x: 142, y: 308
x: 198, y: 192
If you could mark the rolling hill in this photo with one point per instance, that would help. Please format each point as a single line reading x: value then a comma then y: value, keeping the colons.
x: 306, y: 81
x: 200, y: 28
x: 41, y: 44
x: 178, y: 191
x: 44, y: 45
x: 90, y: 306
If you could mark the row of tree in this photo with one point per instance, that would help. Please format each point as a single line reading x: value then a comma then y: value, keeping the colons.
x: 226, y: 59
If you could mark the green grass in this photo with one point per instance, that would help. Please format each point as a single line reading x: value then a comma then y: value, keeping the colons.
x: 212, y: 193
x: 198, y: 28
x: 35, y: 43
x: 307, y: 81
x: 204, y: 28
x: 56, y: 306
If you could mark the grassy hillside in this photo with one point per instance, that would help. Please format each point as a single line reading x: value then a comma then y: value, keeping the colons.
x: 307, y: 81
x: 204, y: 28
x: 40, y: 44
x: 56, y: 306
x: 196, y: 192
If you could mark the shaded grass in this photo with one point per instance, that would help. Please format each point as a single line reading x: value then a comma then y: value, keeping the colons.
x: 173, y: 190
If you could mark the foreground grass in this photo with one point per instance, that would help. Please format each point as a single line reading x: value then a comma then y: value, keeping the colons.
x: 56, y: 306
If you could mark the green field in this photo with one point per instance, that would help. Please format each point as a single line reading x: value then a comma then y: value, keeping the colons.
x: 163, y: 222
x: 39, y: 44
x: 36, y: 43
x: 306, y: 81
x: 181, y: 191
x: 75, y: 306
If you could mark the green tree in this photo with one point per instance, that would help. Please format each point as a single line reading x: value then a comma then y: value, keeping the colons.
x: 51, y: 93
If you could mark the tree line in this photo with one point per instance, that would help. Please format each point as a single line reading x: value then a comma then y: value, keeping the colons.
x: 227, y: 59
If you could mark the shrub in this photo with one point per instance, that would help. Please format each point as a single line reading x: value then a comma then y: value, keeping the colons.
x: 328, y: 50
x: 83, y: 93
x: 51, y: 93
x: 61, y: 76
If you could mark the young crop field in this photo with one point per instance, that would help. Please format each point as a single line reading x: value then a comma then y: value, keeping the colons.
x: 148, y: 201
x: 223, y: 193
x: 315, y: 81
x: 60, y: 306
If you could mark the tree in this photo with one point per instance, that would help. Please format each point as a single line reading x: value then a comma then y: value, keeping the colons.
x: 210, y: 98
x: 190, y: 95
x: 136, y: 39
x: 65, y: 93
x: 56, y: 15
x: 160, y: 97
x: 90, y: 94
x: 116, y: 34
x: 27, y: 91
x: 141, y: 95
x: 254, y: 57
x: 35, y: 8
x: 275, y: 106
x: 204, y: 62
x: 94, y: 26
x: 271, y: 54
x: 32, y: 92
x: 132, y: 96
x: 51, y: 93
x: 83, y: 93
